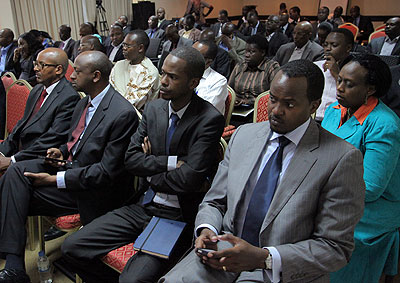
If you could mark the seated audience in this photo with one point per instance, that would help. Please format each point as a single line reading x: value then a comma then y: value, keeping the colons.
x: 286, y: 197
x: 47, y: 114
x: 24, y: 56
x: 84, y: 29
x: 222, y: 62
x: 189, y: 31
x: 255, y: 74
x: 231, y: 43
x: 136, y: 78
x: 92, y: 181
x: 322, y: 17
x: 173, y: 41
x: 43, y: 37
x: 66, y: 43
x: 389, y: 44
x: 301, y: 48
x: 222, y: 19
x: 90, y: 43
x: 8, y: 45
x: 392, y: 97
x: 363, y: 120
x: 242, y: 23
x: 323, y: 30
x: 253, y: 27
x: 212, y: 86
x: 114, y: 47
x: 337, y: 49
x: 294, y: 14
x: 275, y: 37
x: 364, y: 24
x: 336, y: 18
x: 174, y: 148
x: 286, y: 27
x: 154, y: 31
x: 282, y: 8
x: 123, y: 20
x: 162, y: 21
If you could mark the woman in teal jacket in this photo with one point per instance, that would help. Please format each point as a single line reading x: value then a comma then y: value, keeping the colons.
x: 364, y: 121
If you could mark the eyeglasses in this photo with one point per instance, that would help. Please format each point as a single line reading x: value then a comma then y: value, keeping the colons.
x: 126, y: 45
x: 43, y: 65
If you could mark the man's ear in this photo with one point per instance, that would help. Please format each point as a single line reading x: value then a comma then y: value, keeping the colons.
x: 141, y: 49
x: 96, y: 76
x: 314, y: 105
x: 193, y: 83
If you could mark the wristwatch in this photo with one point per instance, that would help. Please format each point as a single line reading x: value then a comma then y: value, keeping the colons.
x: 268, y: 262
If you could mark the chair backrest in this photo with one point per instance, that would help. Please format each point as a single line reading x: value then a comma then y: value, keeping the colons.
x: 381, y: 27
x: 16, y: 96
x: 8, y: 79
x: 154, y: 48
x: 70, y: 70
x: 229, y: 104
x: 351, y: 27
x: 260, y: 107
x: 376, y: 34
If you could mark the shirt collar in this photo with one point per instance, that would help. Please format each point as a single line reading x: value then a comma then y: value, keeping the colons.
x: 206, y: 73
x: 51, y: 88
x: 304, y: 46
x: 396, y: 39
x: 118, y: 46
x: 361, y: 113
x: 295, y: 135
x: 6, y: 48
x: 96, y: 101
x: 66, y: 41
x: 179, y: 113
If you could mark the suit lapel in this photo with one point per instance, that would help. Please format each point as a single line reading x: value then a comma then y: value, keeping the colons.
x: 163, y: 123
x: 396, y: 49
x: 299, y: 166
x: 380, y: 44
x: 307, y: 51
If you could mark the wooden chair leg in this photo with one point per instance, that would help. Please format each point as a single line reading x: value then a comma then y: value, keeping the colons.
x: 78, y: 279
x: 41, y: 234
x: 31, y: 232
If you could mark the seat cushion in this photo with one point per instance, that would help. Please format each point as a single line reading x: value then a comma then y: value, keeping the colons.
x: 118, y: 258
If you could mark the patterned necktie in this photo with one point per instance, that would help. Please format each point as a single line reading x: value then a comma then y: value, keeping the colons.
x: 263, y: 194
x: 174, y: 120
x: 77, y: 132
x: 61, y: 46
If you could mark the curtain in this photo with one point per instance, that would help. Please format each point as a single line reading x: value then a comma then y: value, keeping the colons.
x: 48, y: 15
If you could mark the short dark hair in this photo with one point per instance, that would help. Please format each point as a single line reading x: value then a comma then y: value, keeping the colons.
x: 326, y: 26
x: 212, y: 49
x: 378, y: 72
x: 195, y: 63
x: 325, y: 8
x: 260, y: 41
x: 190, y: 17
x: 33, y: 43
x: 99, y: 62
x: 142, y: 37
x: 252, y: 13
x: 348, y: 35
x: 224, y: 12
x: 296, y: 9
x: 313, y: 74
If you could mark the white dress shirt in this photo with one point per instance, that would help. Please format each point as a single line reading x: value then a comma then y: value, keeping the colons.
x: 388, y: 45
x: 329, y: 94
x: 95, y: 102
x: 114, y: 51
x: 294, y: 136
x: 65, y: 43
x: 298, y: 52
x: 213, y: 88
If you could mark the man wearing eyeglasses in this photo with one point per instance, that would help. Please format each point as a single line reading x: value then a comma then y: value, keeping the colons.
x: 136, y: 77
x: 47, y: 113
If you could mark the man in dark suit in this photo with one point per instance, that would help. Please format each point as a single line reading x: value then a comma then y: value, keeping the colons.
x: 254, y: 26
x: 286, y: 27
x: 364, y: 24
x: 174, y: 149
x: 91, y: 182
x: 154, y: 31
x: 123, y: 20
x: 84, y: 29
x: 67, y: 43
x: 390, y: 44
x: 322, y: 16
x: 47, y: 115
x: 162, y: 21
x: 274, y: 35
x: 222, y: 19
x: 114, y: 47
x: 392, y: 97
x: 301, y: 48
x: 8, y: 45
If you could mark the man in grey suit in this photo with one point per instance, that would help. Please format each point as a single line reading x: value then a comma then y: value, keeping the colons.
x: 312, y: 195
x: 154, y: 31
x: 390, y: 44
x: 301, y: 48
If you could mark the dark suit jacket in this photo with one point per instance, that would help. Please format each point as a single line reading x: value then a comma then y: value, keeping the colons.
x: 9, y: 58
x: 166, y: 46
x: 365, y: 28
x: 75, y: 50
x: 48, y: 128
x: 159, y: 33
x: 164, y: 24
x: 276, y: 41
x: 119, y: 56
x: 69, y: 49
x: 313, y: 52
x: 222, y: 63
x: 376, y: 44
x: 246, y: 32
x: 392, y: 98
x: 98, y: 177
x: 195, y: 141
x: 215, y: 28
x: 289, y: 31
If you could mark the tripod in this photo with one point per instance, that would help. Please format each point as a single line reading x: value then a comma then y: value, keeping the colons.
x: 101, y: 16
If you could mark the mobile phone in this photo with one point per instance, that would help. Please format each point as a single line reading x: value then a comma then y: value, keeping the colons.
x: 204, y: 251
x: 52, y: 159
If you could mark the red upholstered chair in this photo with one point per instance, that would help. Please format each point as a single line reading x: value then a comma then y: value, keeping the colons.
x: 260, y: 107
x: 351, y: 27
x: 70, y: 70
x: 16, y: 97
x: 376, y: 34
x: 117, y: 259
x: 381, y: 27
x: 8, y: 79
x: 229, y: 104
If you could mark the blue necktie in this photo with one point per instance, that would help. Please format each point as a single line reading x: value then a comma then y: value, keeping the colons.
x: 263, y: 194
x: 149, y: 195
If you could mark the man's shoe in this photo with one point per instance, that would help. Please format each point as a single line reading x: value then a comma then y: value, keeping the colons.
x: 10, y: 275
x: 53, y: 233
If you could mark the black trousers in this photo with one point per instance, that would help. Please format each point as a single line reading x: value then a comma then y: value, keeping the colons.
x: 19, y: 199
x: 117, y: 228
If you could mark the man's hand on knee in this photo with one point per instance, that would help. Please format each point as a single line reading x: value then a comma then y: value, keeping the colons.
x: 42, y: 179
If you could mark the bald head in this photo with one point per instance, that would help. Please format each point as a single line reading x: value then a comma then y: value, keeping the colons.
x: 302, y: 33
x: 207, y: 35
x: 228, y: 29
x: 161, y: 13
x: 392, y: 28
x: 6, y: 37
x: 51, y: 65
x: 90, y: 43
x: 57, y: 56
